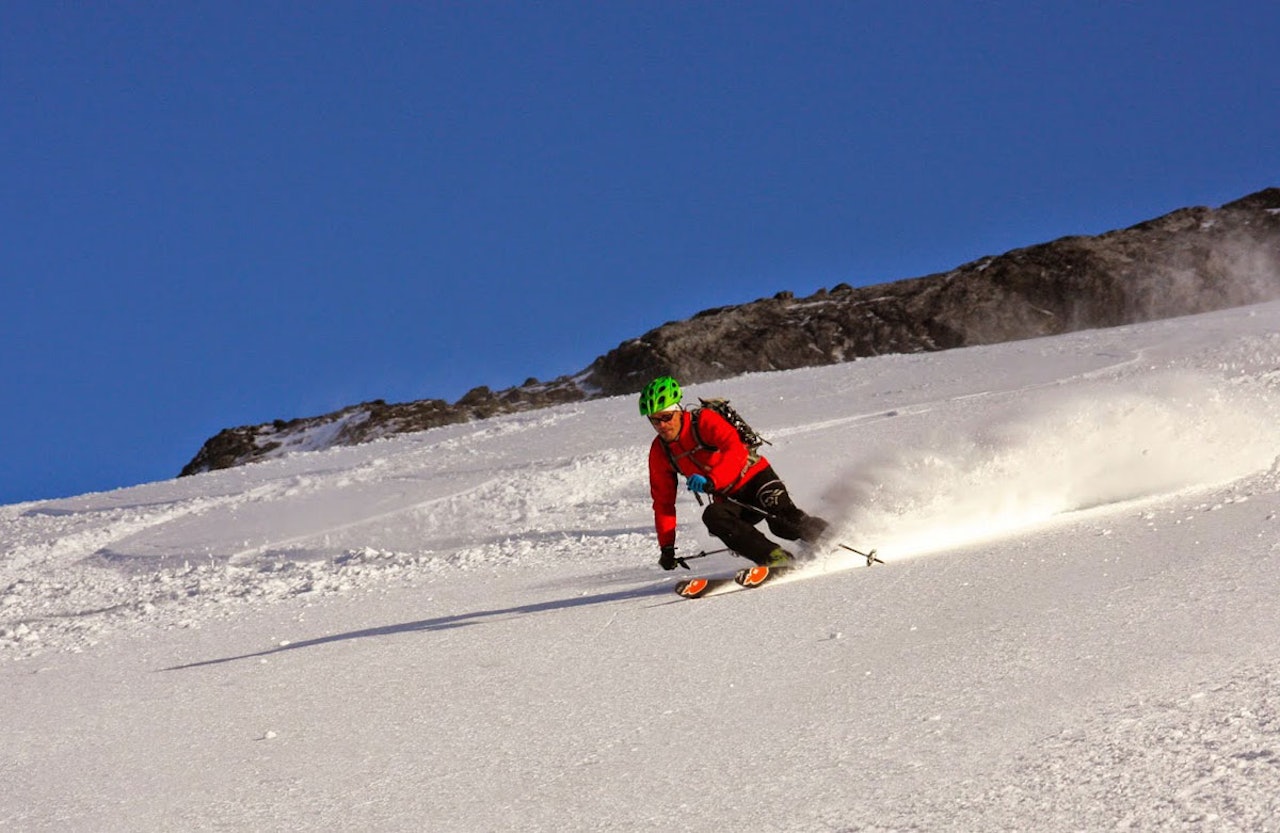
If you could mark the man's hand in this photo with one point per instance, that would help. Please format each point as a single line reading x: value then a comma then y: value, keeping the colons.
x: 698, y: 483
x: 667, y: 561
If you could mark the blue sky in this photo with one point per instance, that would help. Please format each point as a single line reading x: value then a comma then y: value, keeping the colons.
x: 222, y: 213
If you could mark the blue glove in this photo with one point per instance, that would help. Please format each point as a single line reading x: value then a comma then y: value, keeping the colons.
x: 698, y: 483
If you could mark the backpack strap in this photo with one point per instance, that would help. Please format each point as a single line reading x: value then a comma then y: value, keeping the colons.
x: 697, y: 438
x: 693, y: 426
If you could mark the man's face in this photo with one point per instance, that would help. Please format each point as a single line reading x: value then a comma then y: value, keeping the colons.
x: 667, y: 424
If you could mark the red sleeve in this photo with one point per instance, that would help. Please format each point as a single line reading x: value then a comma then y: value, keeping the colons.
x: 662, y: 485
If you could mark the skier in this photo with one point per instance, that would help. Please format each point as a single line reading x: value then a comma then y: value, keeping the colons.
x: 744, y: 488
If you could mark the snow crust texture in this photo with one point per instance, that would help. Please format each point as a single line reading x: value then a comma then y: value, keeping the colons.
x: 465, y: 629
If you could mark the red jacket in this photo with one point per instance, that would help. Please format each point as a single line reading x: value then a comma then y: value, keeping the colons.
x: 722, y: 458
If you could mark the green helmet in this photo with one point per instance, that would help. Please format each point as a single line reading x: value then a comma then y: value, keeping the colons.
x: 661, y: 394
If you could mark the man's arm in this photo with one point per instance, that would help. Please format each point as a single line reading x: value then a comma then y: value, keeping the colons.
x: 662, y: 486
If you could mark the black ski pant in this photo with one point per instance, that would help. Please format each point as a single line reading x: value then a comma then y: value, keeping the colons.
x: 763, y: 497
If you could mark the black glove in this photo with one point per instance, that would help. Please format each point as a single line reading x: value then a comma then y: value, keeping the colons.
x: 668, y: 559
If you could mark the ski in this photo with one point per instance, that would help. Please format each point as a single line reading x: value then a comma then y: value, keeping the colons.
x: 758, y: 575
x: 692, y: 588
x: 699, y: 586
x: 749, y: 577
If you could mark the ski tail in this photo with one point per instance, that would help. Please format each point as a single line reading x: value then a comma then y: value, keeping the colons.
x: 693, y: 588
x: 755, y: 576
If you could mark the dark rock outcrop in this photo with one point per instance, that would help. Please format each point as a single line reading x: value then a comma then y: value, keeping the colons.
x: 1192, y: 260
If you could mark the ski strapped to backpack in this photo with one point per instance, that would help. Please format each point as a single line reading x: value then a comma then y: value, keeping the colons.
x: 746, y: 433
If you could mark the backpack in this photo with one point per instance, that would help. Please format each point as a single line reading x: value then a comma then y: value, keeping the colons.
x: 746, y: 433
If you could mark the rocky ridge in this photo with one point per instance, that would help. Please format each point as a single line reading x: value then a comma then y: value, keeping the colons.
x: 1189, y: 261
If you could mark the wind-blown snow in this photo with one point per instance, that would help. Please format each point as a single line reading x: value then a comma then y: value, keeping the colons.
x: 466, y: 629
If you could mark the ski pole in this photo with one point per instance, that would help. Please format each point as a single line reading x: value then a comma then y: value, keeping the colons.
x: 870, y: 556
x: 734, y: 500
x: 703, y: 554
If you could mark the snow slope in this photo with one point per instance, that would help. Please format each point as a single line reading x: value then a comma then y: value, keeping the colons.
x: 465, y: 629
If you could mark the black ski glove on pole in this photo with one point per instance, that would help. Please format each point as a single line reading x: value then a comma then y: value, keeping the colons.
x: 668, y: 559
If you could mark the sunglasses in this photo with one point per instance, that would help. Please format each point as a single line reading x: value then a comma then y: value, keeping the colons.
x: 662, y: 419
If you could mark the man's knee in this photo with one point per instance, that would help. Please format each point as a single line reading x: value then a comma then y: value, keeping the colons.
x: 717, y: 518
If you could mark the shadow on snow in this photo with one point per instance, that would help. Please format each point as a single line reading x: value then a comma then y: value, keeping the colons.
x: 442, y: 623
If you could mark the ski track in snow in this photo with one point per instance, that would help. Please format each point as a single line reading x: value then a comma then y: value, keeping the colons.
x: 1084, y: 473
